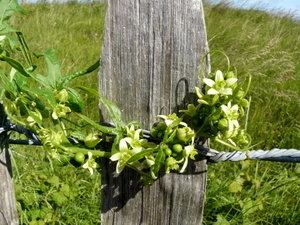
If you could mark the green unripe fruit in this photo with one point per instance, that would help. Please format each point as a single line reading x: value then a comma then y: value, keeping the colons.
x: 168, y: 151
x: 177, y: 148
x: 174, y: 154
x: 79, y: 157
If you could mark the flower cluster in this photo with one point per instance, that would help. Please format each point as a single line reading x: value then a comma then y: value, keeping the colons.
x: 219, y: 110
x: 130, y: 146
x: 172, y: 152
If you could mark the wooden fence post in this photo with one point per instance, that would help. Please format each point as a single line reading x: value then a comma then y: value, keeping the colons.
x: 150, y: 61
x: 8, y: 209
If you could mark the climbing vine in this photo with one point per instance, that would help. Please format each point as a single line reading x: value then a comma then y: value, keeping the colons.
x: 50, y: 107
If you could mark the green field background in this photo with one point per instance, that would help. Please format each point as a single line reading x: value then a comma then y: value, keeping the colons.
x: 265, y: 45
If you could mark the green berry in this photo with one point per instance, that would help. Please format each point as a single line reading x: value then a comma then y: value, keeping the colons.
x: 79, y: 157
x: 177, y: 148
x: 168, y: 151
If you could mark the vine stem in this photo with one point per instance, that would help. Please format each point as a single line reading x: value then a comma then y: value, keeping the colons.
x: 85, y: 151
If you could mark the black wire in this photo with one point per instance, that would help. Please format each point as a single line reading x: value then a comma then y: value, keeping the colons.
x: 34, y: 139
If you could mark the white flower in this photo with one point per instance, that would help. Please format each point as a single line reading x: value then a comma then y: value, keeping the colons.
x: 2, y: 37
x: 60, y: 111
x: 219, y: 85
x: 170, y: 119
x: 123, y: 155
x: 90, y: 163
x: 188, y: 152
x: 231, y: 114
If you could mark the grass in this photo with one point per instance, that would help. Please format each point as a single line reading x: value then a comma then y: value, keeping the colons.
x: 76, y: 32
x: 266, y: 46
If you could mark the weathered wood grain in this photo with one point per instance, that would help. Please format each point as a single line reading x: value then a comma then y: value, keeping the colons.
x: 8, y: 209
x: 150, y: 61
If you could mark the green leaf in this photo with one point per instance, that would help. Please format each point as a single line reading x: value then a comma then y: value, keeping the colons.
x: 13, y: 43
x: 35, y: 118
x: 79, y: 134
x: 7, y: 8
x: 141, y: 154
x: 114, y: 112
x: 35, y: 214
x: 115, y: 145
x: 35, y: 222
x: 59, y: 198
x: 24, y: 48
x: 45, y: 92
x: 159, y: 161
x: 28, y: 199
x: 64, y: 80
x: 89, y: 90
x: 134, y: 123
x: 66, y: 190
x: 171, y: 137
x: 107, y: 130
x: 250, y: 206
x: 245, y: 164
x: 221, y: 220
x: 112, y: 108
x: 15, y: 64
x: 54, y: 181
x: 175, y: 123
x: 8, y: 85
x: 235, y: 187
x: 75, y: 100
x: 54, y: 74
x: 43, y: 81
x: 41, y: 92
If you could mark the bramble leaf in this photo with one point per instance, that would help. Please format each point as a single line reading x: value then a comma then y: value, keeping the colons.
x: 104, y: 129
x: 15, y: 64
x: 7, y: 8
x: 75, y: 100
x: 54, y: 74
x: 65, y: 79
x: 112, y: 108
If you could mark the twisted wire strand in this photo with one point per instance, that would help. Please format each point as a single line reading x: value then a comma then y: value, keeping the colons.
x: 9, y: 126
x: 278, y: 155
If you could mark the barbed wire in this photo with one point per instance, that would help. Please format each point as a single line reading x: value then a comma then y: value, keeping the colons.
x: 277, y: 155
